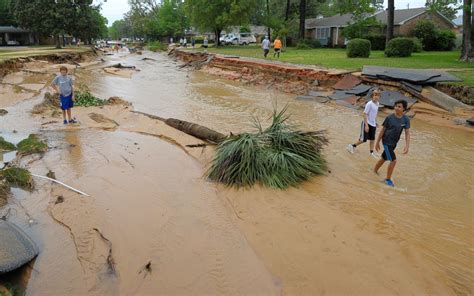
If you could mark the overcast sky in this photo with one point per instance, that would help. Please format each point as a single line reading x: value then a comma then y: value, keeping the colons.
x: 114, y: 9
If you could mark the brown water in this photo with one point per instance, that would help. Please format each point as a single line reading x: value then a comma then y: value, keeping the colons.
x: 432, y: 206
x: 156, y: 205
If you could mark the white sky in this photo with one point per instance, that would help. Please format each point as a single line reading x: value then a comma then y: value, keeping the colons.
x: 114, y: 9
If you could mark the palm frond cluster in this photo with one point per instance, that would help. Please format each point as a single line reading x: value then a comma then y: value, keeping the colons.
x: 277, y: 157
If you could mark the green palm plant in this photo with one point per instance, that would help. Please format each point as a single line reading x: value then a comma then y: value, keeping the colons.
x: 278, y: 156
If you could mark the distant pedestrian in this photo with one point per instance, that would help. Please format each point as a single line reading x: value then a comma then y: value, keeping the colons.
x: 171, y: 40
x: 205, y: 43
x: 392, y: 128
x: 63, y: 86
x: 193, y: 42
x: 277, y: 47
x: 181, y: 43
x: 266, y: 46
x: 185, y: 42
x: 369, y: 124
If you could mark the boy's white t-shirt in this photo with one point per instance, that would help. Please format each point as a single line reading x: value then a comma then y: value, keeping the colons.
x: 371, y: 110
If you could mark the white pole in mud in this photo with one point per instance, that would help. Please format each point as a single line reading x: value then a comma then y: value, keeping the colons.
x: 61, y: 183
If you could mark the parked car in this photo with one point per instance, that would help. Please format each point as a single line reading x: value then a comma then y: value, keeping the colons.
x: 222, y: 38
x: 241, y: 39
x: 13, y: 42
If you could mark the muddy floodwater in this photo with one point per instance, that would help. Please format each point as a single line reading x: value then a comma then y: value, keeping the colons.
x: 344, y: 233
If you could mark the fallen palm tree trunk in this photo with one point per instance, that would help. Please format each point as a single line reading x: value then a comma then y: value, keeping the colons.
x: 196, y: 130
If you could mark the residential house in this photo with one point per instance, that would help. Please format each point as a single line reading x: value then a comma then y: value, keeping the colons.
x: 10, y: 35
x: 328, y: 30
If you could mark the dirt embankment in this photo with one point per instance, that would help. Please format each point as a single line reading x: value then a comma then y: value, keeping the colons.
x: 302, y: 80
x: 17, y: 64
x: 284, y: 77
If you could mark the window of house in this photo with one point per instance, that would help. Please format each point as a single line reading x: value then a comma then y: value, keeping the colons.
x: 322, y: 33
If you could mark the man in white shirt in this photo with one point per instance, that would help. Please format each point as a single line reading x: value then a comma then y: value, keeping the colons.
x: 369, y: 125
x: 266, y: 46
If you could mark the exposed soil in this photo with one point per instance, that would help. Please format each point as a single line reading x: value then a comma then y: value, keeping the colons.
x: 154, y: 225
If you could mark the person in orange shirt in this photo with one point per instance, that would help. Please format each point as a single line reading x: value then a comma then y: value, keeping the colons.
x: 277, y: 47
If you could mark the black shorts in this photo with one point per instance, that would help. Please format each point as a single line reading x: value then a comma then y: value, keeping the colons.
x: 277, y: 49
x: 367, y: 136
x: 389, y: 152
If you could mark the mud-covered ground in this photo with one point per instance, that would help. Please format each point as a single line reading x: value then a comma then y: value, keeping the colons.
x: 153, y: 224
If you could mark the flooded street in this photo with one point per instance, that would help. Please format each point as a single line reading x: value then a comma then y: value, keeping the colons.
x: 152, y: 201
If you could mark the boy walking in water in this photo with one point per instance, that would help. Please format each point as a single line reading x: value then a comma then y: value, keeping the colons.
x: 277, y: 47
x: 63, y: 86
x: 369, y: 125
x: 392, y: 128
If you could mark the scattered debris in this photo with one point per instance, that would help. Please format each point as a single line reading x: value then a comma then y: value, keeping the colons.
x: 3, y: 112
x: 442, y: 100
x: 414, y: 87
x: 121, y: 66
x: 409, y: 75
x: 61, y: 183
x: 59, y: 199
x: 110, y: 259
x: 148, y: 59
x: 388, y: 99
x: 347, y: 82
x: 16, y: 247
x: 359, y: 90
x: 51, y: 174
x: 231, y: 56
x: 340, y: 95
x: 31, y: 145
x: 470, y: 121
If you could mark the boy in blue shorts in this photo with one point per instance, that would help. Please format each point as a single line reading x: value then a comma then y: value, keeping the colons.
x: 63, y: 86
x: 392, y: 128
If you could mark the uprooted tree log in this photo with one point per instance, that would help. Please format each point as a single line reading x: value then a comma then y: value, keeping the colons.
x: 196, y: 130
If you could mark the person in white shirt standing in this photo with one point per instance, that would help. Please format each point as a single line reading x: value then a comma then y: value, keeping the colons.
x: 369, y: 125
x: 266, y: 46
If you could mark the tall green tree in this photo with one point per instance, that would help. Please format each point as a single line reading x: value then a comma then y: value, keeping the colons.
x: 90, y: 24
x: 467, y: 51
x: 448, y: 8
x: 120, y: 29
x: 6, y: 13
x: 170, y: 19
x: 217, y: 15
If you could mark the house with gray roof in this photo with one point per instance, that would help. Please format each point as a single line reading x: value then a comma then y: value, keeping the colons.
x: 329, y: 30
x: 10, y: 35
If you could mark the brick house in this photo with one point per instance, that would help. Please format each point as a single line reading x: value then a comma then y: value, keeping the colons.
x: 328, y: 30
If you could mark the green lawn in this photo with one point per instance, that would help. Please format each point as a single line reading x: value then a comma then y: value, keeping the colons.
x: 336, y: 58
